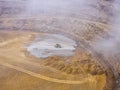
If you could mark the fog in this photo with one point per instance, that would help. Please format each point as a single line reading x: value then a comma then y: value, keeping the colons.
x: 110, y: 45
x: 37, y: 6
x: 98, y: 10
x: 60, y: 7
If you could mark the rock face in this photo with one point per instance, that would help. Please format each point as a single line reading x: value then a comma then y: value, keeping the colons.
x: 86, y: 24
x: 58, y: 46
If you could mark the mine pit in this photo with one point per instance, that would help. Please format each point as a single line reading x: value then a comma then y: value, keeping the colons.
x: 51, y: 44
x: 59, y: 45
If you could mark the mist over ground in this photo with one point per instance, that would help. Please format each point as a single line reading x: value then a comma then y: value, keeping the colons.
x: 110, y: 45
x: 60, y: 7
x: 107, y: 45
x: 93, y: 24
x: 103, y: 11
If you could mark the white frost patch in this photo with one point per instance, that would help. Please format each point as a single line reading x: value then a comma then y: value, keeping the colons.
x: 45, y: 45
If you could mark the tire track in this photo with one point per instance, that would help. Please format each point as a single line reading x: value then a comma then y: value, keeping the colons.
x: 8, y: 60
x: 44, y: 77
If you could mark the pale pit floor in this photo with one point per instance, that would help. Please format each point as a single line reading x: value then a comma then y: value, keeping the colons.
x: 46, y: 45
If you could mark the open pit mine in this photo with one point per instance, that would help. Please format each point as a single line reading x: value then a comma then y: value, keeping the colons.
x: 59, y: 45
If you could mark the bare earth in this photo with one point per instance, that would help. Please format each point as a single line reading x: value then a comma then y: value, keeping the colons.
x: 22, y: 71
x: 86, y: 66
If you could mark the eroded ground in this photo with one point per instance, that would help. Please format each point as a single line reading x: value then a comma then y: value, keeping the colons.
x: 87, y: 69
x: 22, y: 71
